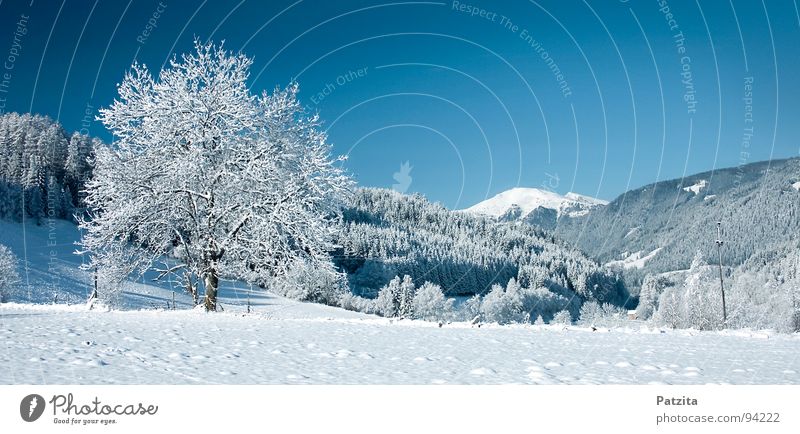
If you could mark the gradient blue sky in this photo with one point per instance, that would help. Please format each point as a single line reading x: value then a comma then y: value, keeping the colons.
x: 465, y: 99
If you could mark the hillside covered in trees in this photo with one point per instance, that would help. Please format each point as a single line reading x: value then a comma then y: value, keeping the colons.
x: 662, y: 238
x: 665, y: 224
x: 389, y: 234
x: 42, y: 169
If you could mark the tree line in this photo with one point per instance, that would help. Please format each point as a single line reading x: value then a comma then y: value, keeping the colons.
x: 43, y: 169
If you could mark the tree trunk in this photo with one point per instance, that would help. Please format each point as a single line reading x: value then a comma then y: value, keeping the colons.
x: 191, y: 288
x: 211, y: 281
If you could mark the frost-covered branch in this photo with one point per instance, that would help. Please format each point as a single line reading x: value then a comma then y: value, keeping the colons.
x: 221, y: 182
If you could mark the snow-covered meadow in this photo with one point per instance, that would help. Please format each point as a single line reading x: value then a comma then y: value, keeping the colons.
x: 286, y: 342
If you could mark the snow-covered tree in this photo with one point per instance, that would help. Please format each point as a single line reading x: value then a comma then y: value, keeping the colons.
x: 493, y: 306
x: 405, y: 298
x: 765, y: 291
x: 794, y: 298
x: 206, y: 178
x: 9, y: 277
x: 388, y: 302
x: 563, y: 318
x: 703, y: 302
x: 357, y: 303
x: 431, y: 304
x: 39, y: 161
x: 652, y: 287
x: 605, y: 315
x: 77, y: 166
x: 591, y: 313
x: 471, y: 308
x: 504, y: 305
x: 669, y: 311
x: 306, y: 282
x: 396, y: 299
x: 542, y: 302
x: 696, y: 303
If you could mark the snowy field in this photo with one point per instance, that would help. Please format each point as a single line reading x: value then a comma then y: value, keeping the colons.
x: 285, y: 342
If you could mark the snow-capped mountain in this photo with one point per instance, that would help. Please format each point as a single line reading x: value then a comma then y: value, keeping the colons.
x: 540, y: 207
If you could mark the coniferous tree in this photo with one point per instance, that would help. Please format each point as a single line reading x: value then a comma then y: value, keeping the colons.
x: 37, y: 153
x: 9, y: 277
x: 405, y: 298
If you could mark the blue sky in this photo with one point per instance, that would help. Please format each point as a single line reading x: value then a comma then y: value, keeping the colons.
x: 595, y: 97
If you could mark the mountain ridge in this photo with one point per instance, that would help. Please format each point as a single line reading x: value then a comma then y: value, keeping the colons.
x: 540, y: 207
x: 756, y: 203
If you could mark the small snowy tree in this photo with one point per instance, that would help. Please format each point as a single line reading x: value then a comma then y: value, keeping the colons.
x: 503, y: 306
x: 405, y: 305
x: 431, y: 304
x: 227, y: 183
x: 652, y: 287
x: 542, y: 302
x: 357, y: 303
x: 471, y: 308
x: 388, y: 302
x: 794, y: 298
x: 514, y: 300
x: 492, y: 305
x: 669, y: 311
x: 591, y: 313
x: 9, y: 278
x: 307, y: 282
x: 562, y: 318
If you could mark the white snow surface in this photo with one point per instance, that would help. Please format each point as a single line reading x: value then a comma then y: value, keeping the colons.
x: 696, y: 187
x: 286, y: 342
x: 634, y: 260
x: 528, y: 199
x: 631, y: 232
x: 796, y: 186
x: 586, y: 199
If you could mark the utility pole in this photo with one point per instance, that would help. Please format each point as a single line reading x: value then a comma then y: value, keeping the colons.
x: 721, y: 285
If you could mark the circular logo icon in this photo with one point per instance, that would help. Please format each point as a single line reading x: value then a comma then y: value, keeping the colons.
x: 31, y: 407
